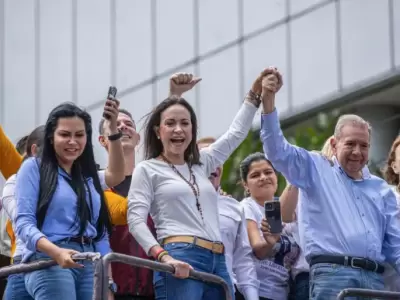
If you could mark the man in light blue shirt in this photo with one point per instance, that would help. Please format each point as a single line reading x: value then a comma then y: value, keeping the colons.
x: 348, y: 217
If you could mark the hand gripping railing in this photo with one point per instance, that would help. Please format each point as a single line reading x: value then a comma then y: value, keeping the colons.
x: 368, y: 293
x: 101, y: 273
x: 43, y: 264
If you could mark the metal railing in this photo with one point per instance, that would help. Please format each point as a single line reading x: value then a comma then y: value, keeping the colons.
x: 100, y: 286
x: 43, y: 264
x: 368, y: 294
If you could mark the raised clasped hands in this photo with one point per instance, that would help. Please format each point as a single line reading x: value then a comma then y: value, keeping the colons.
x: 269, y: 81
x: 180, y: 83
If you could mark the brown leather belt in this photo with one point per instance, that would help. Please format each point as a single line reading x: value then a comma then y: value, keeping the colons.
x: 215, y: 247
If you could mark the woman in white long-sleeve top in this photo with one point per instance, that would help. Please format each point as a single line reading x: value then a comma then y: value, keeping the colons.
x: 172, y: 184
x: 238, y: 252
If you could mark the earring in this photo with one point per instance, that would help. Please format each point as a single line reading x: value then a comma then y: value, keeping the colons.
x: 158, y: 137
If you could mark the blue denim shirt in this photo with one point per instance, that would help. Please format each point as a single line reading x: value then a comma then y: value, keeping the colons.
x: 61, y: 213
x: 337, y: 215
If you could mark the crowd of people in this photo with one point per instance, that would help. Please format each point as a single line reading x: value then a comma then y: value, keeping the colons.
x: 340, y: 223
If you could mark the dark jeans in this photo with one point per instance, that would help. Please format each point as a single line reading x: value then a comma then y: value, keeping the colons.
x: 300, y: 287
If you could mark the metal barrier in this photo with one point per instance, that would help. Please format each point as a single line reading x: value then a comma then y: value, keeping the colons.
x: 43, y: 264
x: 368, y: 293
x: 100, y: 287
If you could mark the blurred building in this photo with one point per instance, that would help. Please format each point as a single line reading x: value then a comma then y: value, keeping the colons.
x: 331, y: 53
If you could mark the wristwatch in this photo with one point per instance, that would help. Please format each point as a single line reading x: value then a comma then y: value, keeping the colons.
x: 276, y: 248
x: 112, y: 286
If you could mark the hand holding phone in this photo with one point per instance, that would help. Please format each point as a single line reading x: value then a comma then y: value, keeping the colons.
x: 112, y: 93
x: 273, y: 216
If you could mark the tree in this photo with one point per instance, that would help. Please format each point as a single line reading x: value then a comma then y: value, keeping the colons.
x: 310, y: 135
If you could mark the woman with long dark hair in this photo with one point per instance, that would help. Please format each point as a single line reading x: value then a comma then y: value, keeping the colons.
x: 172, y: 184
x: 61, y: 208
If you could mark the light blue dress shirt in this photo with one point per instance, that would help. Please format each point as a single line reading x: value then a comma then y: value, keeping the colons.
x: 338, y: 215
x: 60, y: 218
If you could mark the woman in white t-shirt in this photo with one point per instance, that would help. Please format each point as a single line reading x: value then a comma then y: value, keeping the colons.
x: 392, y: 176
x: 275, y: 255
x: 172, y: 184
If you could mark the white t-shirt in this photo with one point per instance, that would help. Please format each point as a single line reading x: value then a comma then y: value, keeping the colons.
x: 157, y: 189
x: 272, y: 273
x: 238, y: 252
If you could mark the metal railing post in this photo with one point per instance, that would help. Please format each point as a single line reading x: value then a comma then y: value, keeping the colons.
x: 100, y: 286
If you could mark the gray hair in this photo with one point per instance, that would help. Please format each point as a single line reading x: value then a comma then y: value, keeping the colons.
x: 350, y: 120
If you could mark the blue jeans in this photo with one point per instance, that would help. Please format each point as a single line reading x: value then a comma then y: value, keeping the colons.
x: 15, y: 289
x: 62, y: 284
x: 328, y: 280
x: 168, y: 287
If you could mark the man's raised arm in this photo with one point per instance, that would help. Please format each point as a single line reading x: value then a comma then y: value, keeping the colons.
x: 296, y: 164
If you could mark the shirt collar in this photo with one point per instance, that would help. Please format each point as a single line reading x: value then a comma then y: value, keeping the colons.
x: 365, y: 173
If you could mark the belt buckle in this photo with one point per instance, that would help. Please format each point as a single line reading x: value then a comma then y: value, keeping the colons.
x: 216, y: 248
x: 353, y: 259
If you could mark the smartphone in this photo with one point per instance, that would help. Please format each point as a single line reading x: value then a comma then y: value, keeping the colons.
x: 112, y: 93
x: 273, y: 215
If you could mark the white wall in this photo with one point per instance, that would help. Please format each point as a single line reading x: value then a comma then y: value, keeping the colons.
x: 71, y: 50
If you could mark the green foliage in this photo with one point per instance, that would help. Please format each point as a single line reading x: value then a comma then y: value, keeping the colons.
x: 310, y: 135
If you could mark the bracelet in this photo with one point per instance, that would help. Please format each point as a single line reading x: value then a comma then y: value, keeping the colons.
x: 253, y: 98
x: 157, y: 254
x: 161, y: 255
x: 115, y: 136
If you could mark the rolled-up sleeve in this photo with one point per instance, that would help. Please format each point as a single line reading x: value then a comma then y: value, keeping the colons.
x: 27, y: 194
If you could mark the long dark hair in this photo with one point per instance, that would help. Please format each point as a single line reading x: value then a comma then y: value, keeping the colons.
x: 83, y: 168
x: 153, y: 146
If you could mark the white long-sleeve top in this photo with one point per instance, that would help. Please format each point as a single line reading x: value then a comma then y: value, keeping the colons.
x: 238, y: 252
x: 157, y: 189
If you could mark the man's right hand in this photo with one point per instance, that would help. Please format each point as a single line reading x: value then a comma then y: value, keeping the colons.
x: 181, y: 268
